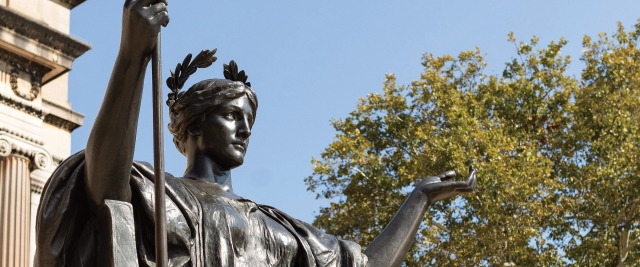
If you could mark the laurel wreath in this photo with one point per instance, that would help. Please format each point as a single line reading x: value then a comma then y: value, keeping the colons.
x: 185, y: 69
x: 231, y: 73
x: 204, y: 59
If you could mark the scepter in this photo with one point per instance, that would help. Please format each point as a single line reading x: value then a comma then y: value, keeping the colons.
x: 158, y: 158
x: 175, y: 82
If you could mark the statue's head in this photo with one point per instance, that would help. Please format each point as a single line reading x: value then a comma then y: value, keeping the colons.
x: 213, y: 116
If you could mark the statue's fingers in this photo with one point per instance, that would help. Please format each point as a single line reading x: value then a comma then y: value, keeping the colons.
x: 160, y: 14
x: 129, y: 3
x: 472, y: 170
x: 465, y: 190
x: 473, y: 182
x: 430, y: 180
x: 146, y: 3
x: 447, y: 175
x: 471, y: 179
x: 454, y: 185
x: 444, y: 190
x: 472, y: 174
x: 166, y: 22
x: 157, y: 8
x: 161, y: 18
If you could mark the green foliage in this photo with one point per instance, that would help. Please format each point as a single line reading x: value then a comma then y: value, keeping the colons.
x: 557, y: 157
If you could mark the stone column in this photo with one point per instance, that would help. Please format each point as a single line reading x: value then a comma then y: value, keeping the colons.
x: 15, y: 210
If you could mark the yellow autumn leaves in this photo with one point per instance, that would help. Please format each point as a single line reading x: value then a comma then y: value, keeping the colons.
x: 558, y: 158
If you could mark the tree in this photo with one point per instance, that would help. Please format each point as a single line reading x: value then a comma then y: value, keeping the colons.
x: 558, y: 158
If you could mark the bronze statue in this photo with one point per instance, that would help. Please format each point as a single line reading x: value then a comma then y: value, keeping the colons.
x: 207, y: 224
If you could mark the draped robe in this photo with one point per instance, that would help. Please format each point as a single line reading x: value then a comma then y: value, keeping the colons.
x: 206, y: 226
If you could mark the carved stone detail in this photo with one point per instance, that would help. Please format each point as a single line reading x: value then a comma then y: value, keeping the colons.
x: 41, y: 161
x: 22, y: 151
x: 13, y: 58
x: 39, y: 158
x: 35, y: 188
x: 36, y: 81
x: 56, y: 160
x: 42, y: 33
x: 13, y: 78
x: 5, y: 148
x: 24, y: 107
x: 21, y: 136
x: 60, y: 122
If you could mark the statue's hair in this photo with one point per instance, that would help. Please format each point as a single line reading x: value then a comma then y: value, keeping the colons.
x: 202, y: 98
x: 186, y: 107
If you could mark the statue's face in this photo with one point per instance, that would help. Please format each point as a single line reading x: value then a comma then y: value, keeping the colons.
x: 225, y: 131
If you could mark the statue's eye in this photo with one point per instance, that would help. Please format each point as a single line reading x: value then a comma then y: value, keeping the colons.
x: 231, y: 116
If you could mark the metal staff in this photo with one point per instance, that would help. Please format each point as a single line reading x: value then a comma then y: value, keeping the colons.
x: 158, y: 160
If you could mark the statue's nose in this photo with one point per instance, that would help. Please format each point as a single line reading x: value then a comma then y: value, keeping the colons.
x: 244, y: 130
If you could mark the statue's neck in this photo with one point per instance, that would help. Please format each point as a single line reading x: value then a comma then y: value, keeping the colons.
x: 201, y: 167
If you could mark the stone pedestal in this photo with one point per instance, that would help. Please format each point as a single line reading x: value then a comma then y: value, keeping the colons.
x: 15, y: 211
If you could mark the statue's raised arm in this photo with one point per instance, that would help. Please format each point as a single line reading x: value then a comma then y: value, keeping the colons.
x: 110, y: 148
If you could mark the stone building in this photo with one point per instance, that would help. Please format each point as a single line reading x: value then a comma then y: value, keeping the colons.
x: 36, y: 119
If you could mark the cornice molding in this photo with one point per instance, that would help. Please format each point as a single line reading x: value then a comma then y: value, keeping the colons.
x: 61, y: 117
x: 70, y: 4
x: 60, y: 122
x: 13, y: 58
x: 55, y: 115
x: 21, y: 136
x: 43, y: 34
x: 22, y: 106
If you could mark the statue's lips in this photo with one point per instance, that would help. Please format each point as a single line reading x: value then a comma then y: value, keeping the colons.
x: 241, y: 145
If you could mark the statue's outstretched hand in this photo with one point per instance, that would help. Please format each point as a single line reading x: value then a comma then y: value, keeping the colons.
x: 141, y: 21
x: 440, y: 187
x: 393, y: 243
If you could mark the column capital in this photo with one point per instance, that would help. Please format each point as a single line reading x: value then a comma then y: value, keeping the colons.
x: 41, y: 163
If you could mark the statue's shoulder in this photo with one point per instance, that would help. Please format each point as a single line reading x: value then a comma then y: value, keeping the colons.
x: 143, y: 172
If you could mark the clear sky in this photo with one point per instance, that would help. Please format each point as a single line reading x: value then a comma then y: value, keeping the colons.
x: 310, y: 61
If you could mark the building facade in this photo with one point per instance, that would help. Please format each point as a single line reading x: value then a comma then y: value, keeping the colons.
x: 36, y: 119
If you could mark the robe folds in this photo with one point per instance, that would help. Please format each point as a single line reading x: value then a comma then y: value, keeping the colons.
x: 204, y: 228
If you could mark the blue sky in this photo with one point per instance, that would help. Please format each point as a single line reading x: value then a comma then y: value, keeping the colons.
x: 310, y: 61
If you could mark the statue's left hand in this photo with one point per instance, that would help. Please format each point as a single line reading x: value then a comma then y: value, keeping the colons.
x: 440, y: 187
